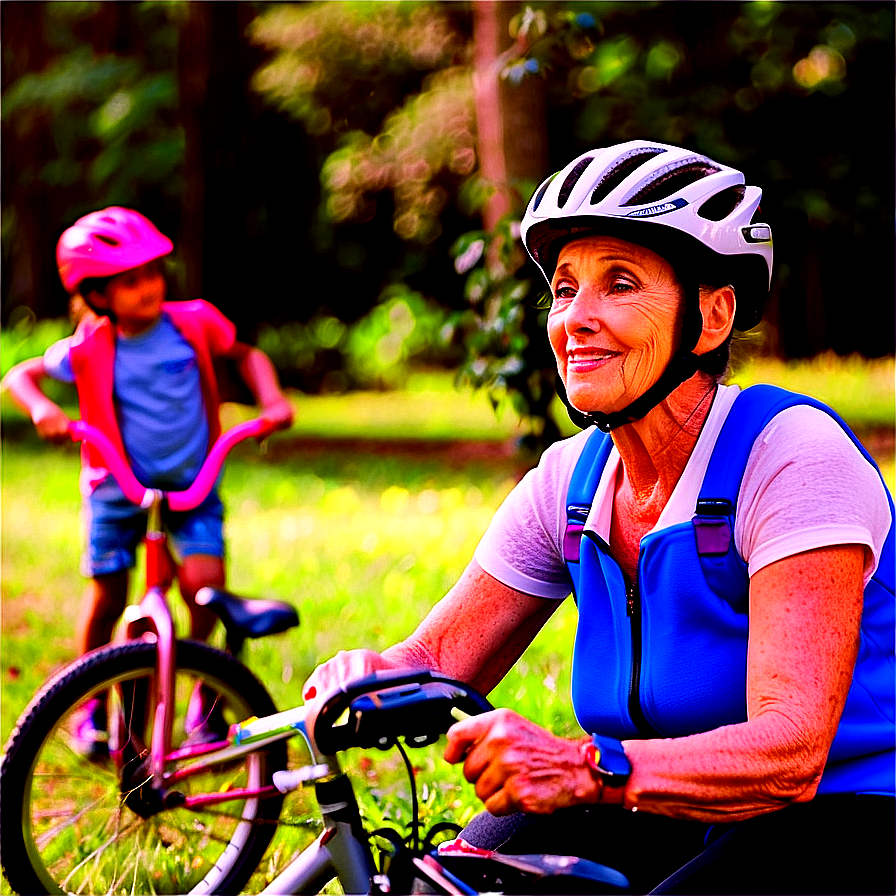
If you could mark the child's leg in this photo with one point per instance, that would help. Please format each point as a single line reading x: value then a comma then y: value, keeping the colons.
x: 198, y: 539
x: 204, y: 721
x: 198, y: 571
x: 103, y: 603
x: 114, y: 528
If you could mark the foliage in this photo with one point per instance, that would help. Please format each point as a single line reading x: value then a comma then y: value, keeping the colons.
x: 502, y: 330
x: 30, y: 338
x: 112, y: 116
x: 405, y: 141
x: 355, y: 151
x: 376, y: 352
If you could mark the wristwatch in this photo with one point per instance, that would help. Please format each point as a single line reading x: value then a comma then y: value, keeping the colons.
x: 607, y: 759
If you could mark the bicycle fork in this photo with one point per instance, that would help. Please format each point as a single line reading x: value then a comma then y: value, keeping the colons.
x: 152, y: 617
x: 340, y: 851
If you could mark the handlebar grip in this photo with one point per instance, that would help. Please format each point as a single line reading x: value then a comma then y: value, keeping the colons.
x: 414, y: 704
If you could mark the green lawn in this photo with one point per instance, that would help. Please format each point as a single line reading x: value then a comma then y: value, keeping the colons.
x: 362, y: 537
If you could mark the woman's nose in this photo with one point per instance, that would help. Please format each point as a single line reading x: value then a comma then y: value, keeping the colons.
x: 583, y: 312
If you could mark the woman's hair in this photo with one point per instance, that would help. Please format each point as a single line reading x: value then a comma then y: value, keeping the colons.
x: 715, y: 363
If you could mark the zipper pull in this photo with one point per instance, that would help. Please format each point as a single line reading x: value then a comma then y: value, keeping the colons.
x: 630, y: 596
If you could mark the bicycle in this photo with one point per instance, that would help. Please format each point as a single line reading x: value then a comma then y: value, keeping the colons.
x: 71, y: 826
x: 379, y: 711
x: 147, y: 684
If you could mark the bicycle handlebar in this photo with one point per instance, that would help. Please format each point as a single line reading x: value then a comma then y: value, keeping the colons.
x: 414, y: 704
x: 188, y: 498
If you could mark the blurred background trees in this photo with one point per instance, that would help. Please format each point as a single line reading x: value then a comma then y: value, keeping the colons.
x: 343, y: 178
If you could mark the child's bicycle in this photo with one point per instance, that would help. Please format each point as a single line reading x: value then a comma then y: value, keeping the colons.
x: 161, y: 815
x: 155, y: 689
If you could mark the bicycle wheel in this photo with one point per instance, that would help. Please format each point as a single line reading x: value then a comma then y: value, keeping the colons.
x: 70, y: 825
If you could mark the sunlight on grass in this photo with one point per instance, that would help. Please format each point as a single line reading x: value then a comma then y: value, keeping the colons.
x: 363, y: 542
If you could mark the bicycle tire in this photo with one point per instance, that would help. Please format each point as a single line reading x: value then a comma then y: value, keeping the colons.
x: 64, y: 823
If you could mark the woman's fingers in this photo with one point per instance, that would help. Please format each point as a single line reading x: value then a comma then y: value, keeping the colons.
x: 515, y: 765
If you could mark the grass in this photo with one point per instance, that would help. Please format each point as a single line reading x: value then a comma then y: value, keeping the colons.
x: 363, y: 538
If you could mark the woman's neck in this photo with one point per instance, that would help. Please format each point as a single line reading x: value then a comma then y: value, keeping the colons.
x: 656, y: 449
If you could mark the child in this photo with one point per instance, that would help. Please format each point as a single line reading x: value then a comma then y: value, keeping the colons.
x: 143, y: 368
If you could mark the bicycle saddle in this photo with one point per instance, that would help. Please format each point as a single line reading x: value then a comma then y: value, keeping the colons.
x: 416, y: 705
x: 247, y: 618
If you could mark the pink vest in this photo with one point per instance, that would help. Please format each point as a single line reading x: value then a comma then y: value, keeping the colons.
x: 92, y: 355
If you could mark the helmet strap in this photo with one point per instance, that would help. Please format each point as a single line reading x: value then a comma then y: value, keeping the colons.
x: 682, y: 367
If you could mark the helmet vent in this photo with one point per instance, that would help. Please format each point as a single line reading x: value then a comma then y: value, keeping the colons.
x: 542, y: 191
x: 108, y: 240
x: 722, y: 204
x: 628, y: 163
x: 671, y: 181
x: 571, y: 180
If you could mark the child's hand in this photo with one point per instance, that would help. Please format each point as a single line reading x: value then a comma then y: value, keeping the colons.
x: 51, y: 423
x: 279, y: 412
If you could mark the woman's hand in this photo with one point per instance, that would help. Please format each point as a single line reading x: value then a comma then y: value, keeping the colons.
x: 517, y: 766
x: 347, y: 666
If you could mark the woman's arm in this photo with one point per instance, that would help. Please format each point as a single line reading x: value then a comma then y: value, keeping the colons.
x: 474, y: 634
x: 805, y: 613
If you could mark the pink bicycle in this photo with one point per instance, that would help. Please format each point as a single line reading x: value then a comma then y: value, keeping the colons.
x: 147, y: 684
x: 165, y: 816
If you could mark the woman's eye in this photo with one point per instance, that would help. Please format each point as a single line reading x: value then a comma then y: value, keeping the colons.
x: 564, y: 292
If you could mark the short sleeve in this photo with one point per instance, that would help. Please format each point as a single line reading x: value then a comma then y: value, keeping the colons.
x: 57, y: 363
x: 221, y: 331
x: 522, y: 546
x: 807, y: 486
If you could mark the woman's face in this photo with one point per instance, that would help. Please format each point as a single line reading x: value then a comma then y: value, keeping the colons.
x: 614, y: 321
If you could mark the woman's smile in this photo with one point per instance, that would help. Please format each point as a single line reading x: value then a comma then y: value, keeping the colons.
x: 585, y: 359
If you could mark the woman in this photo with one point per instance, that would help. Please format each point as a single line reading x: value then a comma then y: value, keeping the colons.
x: 734, y: 654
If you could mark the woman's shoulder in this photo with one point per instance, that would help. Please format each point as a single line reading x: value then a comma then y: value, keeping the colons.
x: 560, y: 458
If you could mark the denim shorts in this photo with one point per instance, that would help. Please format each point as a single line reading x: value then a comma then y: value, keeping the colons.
x: 115, y: 527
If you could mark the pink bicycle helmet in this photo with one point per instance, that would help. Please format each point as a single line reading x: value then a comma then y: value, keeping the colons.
x: 696, y: 213
x: 105, y: 243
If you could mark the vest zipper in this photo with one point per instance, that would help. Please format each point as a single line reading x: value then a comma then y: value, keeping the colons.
x: 633, y: 609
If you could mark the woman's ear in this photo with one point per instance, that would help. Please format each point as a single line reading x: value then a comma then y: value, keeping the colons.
x: 717, y: 306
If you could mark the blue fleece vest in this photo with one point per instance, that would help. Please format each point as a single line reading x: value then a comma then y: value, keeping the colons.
x: 669, y: 657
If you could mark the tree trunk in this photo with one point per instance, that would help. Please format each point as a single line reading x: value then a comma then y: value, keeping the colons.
x: 510, y: 119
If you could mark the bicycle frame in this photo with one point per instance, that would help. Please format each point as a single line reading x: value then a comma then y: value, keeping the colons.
x: 152, y: 614
x: 340, y: 851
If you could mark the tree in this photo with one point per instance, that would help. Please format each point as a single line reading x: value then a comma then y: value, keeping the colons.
x: 274, y: 140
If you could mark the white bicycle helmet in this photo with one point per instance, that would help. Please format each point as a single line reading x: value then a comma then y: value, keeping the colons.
x: 695, y: 213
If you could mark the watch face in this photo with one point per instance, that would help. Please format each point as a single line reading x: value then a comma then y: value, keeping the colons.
x: 610, y: 760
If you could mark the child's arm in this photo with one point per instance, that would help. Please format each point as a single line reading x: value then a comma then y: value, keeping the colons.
x: 23, y: 384
x: 260, y: 376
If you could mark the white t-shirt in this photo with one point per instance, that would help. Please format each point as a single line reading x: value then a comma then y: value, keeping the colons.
x: 805, y: 486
